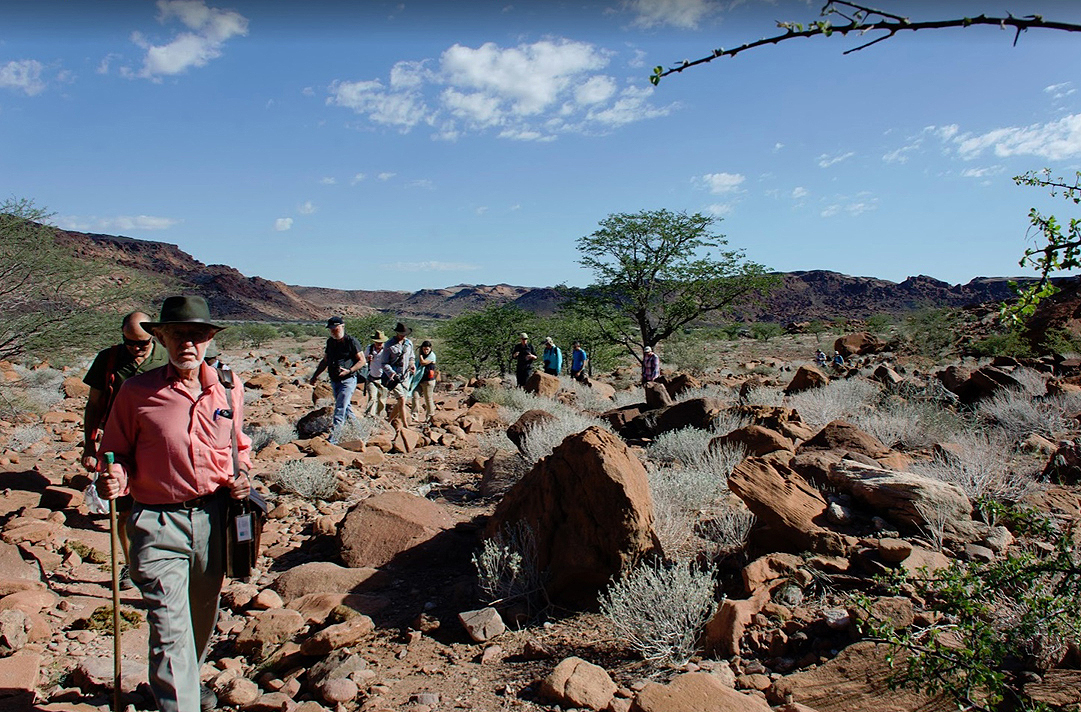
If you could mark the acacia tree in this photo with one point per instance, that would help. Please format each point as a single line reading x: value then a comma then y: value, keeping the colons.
x: 52, y: 302
x: 653, y: 274
x: 480, y: 342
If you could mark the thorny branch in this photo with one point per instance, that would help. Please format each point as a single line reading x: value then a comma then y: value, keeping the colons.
x: 861, y: 19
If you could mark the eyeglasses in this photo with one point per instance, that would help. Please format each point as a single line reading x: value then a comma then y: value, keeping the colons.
x: 138, y: 343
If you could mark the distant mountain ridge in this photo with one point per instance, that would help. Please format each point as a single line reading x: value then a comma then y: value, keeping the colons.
x: 802, y: 296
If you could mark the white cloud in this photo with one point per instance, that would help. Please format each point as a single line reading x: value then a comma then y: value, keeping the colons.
x: 328, y: 180
x: 632, y: 105
x: 800, y: 192
x: 944, y: 132
x: 429, y: 266
x: 720, y: 209
x: 357, y: 178
x: 777, y: 146
x: 825, y: 160
x: 306, y: 208
x: 482, y: 210
x: 283, y: 224
x: 209, y: 30
x: 401, y: 109
x: 686, y: 14
x: 719, y: 183
x: 23, y: 75
x: 424, y: 183
x: 1060, y: 91
x: 308, y: 91
x: 1056, y: 140
x: 638, y: 60
x: 981, y: 172
x: 117, y: 223
x: 385, y: 176
x: 862, y: 203
x: 529, y: 92
x: 595, y: 90
x: 900, y: 155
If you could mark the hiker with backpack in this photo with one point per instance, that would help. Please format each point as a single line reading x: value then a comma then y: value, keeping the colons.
x: 111, y: 367
x: 373, y: 386
x: 396, y: 367
x: 342, y: 360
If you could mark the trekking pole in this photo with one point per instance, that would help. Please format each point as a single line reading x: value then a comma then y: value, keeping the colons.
x: 114, y: 546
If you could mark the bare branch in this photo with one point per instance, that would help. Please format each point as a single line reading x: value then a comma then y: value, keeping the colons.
x: 857, y: 22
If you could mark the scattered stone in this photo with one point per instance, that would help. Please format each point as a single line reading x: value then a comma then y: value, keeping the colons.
x: 577, y: 683
x: 806, y: 378
x: 482, y: 624
x: 695, y: 692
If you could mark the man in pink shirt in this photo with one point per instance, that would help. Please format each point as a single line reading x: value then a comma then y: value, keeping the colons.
x: 171, y: 431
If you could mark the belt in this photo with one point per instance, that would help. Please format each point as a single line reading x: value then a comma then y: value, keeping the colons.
x: 196, y: 503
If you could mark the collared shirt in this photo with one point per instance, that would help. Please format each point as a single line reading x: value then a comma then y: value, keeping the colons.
x: 174, y: 446
x: 396, y: 358
x: 123, y: 366
x: 651, y: 367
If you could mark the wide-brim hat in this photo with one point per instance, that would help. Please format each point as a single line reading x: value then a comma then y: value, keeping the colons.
x: 379, y: 337
x: 401, y: 328
x: 183, y: 310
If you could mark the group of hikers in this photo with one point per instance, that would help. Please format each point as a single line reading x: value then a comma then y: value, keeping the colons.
x: 838, y: 361
x: 164, y: 439
x: 388, y: 368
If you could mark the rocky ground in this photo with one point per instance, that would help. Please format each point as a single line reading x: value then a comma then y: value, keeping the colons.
x: 367, y: 597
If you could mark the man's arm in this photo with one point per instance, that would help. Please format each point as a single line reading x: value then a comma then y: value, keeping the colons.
x: 93, y: 415
x: 361, y: 363
x: 318, y: 369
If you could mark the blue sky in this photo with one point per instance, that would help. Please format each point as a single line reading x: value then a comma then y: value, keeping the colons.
x: 408, y: 145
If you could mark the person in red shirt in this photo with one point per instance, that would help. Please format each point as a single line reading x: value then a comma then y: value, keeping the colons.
x: 171, y: 431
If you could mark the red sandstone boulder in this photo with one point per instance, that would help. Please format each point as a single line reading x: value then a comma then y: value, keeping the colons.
x: 389, y: 526
x: 806, y: 378
x: 589, y: 507
x: 543, y: 384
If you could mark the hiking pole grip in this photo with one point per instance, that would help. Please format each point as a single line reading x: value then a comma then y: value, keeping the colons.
x: 114, y: 546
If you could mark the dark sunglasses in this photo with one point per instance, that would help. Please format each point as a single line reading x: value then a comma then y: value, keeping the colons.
x: 140, y: 343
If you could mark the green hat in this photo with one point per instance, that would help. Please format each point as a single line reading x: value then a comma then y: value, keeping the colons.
x: 183, y: 310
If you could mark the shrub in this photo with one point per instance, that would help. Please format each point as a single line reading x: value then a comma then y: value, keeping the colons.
x: 309, y: 478
x: 1016, y: 414
x: 681, y: 493
x: 879, y: 323
x: 23, y: 436
x: 979, y: 465
x: 685, y: 445
x: 263, y: 436
x: 931, y: 331
x: 660, y: 609
x: 1008, y: 344
x: 585, y: 397
x: 909, y: 425
x: 541, y: 440
x: 765, y: 395
x: 1016, y: 613
x: 507, y: 567
x: 708, y: 391
x: 356, y: 429
x: 841, y: 399
x: 728, y: 525
x: 766, y: 330
x: 628, y: 397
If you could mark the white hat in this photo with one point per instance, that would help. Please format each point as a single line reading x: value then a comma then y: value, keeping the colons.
x: 548, y: 340
x: 523, y: 335
x: 648, y: 349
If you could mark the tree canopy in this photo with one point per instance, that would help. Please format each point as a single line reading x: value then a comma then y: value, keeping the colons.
x: 653, y: 274
x: 51, y: 302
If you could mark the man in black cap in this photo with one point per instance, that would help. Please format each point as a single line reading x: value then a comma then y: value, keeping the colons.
x: 180, y: 450
x: 343, y: 358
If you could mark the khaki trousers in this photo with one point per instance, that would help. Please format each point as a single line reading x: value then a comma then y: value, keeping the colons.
x: 425, y: 391
x: 377, y: 399
x: 176, y: 561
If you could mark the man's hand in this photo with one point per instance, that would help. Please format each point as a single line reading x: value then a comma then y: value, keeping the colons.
x: 240, y: 486
x: 90, y: 460
x: 109, y: 482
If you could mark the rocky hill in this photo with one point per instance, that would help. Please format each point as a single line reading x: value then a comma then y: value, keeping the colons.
x: 802, y: 296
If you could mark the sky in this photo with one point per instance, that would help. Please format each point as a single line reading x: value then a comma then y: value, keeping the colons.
x: 411, y: 145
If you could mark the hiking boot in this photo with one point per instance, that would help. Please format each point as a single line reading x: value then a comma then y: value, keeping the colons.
x: 126, y: 584
x: 208, y: 701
